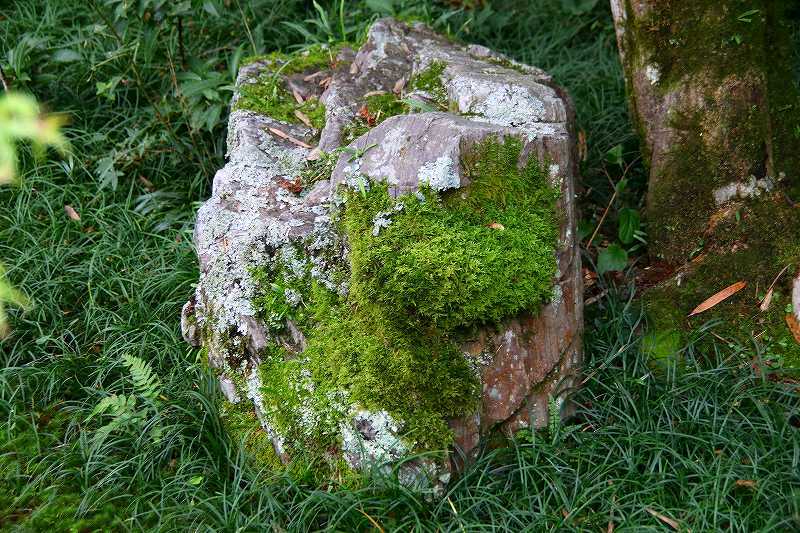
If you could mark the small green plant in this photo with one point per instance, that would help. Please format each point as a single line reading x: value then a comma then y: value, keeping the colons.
x: 130, y: 412
x: 630, y: 236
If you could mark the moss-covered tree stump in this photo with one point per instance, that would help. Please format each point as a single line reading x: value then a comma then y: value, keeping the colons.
x: 388, y: 262
x: 714, y: 94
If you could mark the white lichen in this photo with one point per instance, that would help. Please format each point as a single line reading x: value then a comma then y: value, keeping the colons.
x: 742, y: 189
x: 439, y: 175
x: 371, y: 437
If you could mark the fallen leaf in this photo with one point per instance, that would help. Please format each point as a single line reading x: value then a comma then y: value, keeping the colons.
x: 794, y: 326
x: 353, y: 68
x: 147, y: 184
x: 284, y: 135
x: 768, y: 297
x: 71, y: 213
x: 324, y: 82
x: 312, y: 76
x: 399, y: 85
x: 766, y: 301
x: 724, y: 294
x: 667, y: 520
x: 368, y: 117
x: 303, y: 118
x: 298, y: 96
x: 749, y: 483
x: 495, y: 225
x: 373, y: 93
x: 372, y: 521
x: 294, y: 186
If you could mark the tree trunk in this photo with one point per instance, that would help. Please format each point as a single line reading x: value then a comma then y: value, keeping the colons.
x: 713, y: 95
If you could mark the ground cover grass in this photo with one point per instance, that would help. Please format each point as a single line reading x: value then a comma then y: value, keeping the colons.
x: 712, y: 444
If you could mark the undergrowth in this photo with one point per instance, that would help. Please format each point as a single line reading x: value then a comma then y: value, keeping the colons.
x: 714, y: 446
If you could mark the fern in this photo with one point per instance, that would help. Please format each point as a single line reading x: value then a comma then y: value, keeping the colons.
x: 554, y: 417
x: 145, y: 381
x: 123, y: 411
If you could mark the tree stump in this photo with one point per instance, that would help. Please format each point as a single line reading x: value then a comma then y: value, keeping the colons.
x: 388, y: 259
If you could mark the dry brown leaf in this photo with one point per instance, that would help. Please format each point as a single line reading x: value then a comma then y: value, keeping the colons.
x: 372, y: 521
x: 399, y: 85
x: 373, y: 93
x: 284, y: 135
x: 297, y: 96
x: 749, y: 483
x: 147, y: 184
x: 353, y: 68
x: 303, y: 118
x: 71, y: 213
x: 768, y: 297
x: 667, y: 520
x: 495, y: 225
x: 724, y: 294
x: 794, y: 326
x: 324, y: 82
x: 312, y: 76
x: 766, y: 301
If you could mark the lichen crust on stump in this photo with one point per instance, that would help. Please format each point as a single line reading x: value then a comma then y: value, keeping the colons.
x: 388, y: 262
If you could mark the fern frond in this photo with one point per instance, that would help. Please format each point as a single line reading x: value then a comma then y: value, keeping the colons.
x: 145, y: 381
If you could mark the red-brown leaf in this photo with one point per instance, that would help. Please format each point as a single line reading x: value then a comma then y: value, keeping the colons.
x: 722, y: 295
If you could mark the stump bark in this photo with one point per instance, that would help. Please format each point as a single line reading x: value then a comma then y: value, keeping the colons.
x: 714, y: 96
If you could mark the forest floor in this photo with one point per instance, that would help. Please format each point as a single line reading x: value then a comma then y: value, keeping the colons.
x: 708, y: 442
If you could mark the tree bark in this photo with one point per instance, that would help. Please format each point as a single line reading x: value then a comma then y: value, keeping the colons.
x: 713, y: 95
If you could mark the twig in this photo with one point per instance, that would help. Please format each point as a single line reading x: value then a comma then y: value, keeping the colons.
x: 611, y: 201
x: 602, y: 218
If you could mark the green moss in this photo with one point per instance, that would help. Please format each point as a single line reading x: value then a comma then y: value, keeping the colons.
x: 378, y: 107
x: 316, y: 57
x: 700, y: 162
x: 269, y: 97
x: 430, y: 81
x: 442, y: 265
x: 753, y: 246
x: 685, y: 37
x: 241, y: 423
x: 507, y: 63
x: 417, y: 288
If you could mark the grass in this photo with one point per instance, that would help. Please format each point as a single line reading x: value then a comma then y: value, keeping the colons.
x: 713, y: 444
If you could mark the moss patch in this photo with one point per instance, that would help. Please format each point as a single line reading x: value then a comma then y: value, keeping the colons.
x: 737, y: 56
x: 242, y: 424
x: 443, y: 265
x: 376, y: 109
x: 269, y: 96
x: 684, y: 37
x: 430, y: 81
x: 316, y: 57
x: 419, y: 283
x: 754, y: 244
